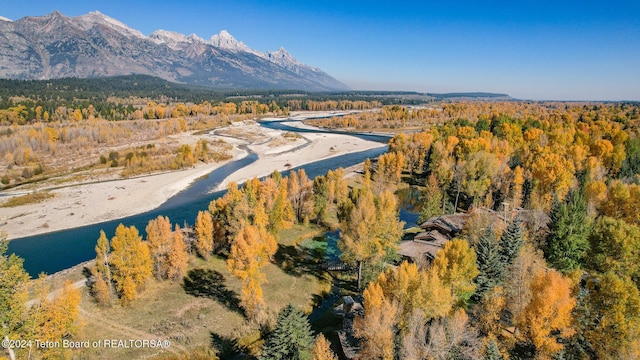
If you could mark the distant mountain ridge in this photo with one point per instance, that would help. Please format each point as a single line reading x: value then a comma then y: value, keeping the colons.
x: 96, y: 45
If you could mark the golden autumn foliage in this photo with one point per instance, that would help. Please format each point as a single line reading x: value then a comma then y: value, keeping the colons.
x: 456, y: 266
x: 177, y: 256
x: 622, y: 202
x: 616, y: 330
x: 251, y: 250
x: 131, y: 263
x: 548, y: 316
x: 204, y: 234
x: 413, y: 289
x: 159, y: 237
x: 322, y: 349
x: 489, y: 311
x: 371, y: 230
x: 376, y: 328
x: 54, y: 318
x: 300, y: 193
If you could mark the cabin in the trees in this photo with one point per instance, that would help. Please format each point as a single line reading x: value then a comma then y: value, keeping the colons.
x: 439, y: 229
x: 435, y: 233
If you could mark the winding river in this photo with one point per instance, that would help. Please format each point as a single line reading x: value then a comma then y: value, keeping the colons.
x: 55, y: 251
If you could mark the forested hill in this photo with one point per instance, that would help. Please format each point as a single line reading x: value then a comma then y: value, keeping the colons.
x: 150, y: 87
x: 68, y: 89
x: 471, y: 95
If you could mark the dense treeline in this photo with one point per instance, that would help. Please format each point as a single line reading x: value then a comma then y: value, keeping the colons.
x: 425, y: 116
x: 118, y: 98
x: 149, y: 87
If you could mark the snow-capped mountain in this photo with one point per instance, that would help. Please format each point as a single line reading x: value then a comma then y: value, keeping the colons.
x: 94, y: 18
x: 91, y: 45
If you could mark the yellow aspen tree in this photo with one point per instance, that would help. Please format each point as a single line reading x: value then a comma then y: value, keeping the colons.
x: 322, y: 349
x: 178, y: 257
x: 159, y: 237
x: 128, y: 291
x: 260, y: 216
x: 367, y: 174
x: 456, y: 266
x: 341, y: 189
x: 437, y: 300
x: 250, y: 252
x: 101, y: 290
x: 489, y: 311
x: 102, y: 287
x: 37, y: 314
x: 516, y: 187
x: 281, y: 212
x: 548, y: 316
x: 415, y: 290
x: 331, y: 185
x: 204, y: 234
x: 13, y: 293
x: 300, y: 194
x: 130, y: 261
x: 55, y: 319
x: 69, y: 302
x: 376, y: 328
x: 371, y: 231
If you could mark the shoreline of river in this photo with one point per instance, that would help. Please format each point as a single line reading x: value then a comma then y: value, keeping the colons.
x: 80, y: 205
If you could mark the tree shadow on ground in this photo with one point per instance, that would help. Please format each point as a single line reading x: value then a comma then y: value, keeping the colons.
x: 88, y: 275
x: 294, y: 262
x: 226, y: 347
x: 210, y: 284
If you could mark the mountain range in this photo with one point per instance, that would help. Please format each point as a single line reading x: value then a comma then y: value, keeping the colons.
x: 96, y: 45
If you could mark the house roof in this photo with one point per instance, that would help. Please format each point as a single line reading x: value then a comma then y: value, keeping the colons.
x: 415, y: 249
x: 448, y: 224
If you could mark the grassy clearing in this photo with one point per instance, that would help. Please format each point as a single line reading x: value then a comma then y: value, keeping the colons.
x: 201, y: 307
x: 299, y: 232
x: 32, y: 198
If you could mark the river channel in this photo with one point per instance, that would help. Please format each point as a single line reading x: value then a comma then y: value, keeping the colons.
x: 55, y: 251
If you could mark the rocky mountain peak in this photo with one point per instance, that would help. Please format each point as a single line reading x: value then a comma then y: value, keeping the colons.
x: 97, y: 18
x: 226, y: 41
x: 283, y: 58
x: 95, y: 44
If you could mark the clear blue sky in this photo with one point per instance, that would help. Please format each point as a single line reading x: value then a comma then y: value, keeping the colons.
x: 565, y: 50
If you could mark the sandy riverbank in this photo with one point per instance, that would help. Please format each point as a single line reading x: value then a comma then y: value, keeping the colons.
x: 88, y: 203
x: 318, y: 146
x: 85, y: 204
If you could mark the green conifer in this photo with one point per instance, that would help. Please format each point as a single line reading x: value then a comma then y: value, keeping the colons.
x: 567, y: 242
x: 489, y: 262
x: 291, y: 338
x: 511, y: 240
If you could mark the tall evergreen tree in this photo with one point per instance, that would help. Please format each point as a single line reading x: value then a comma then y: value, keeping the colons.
x: 291, y: 338
x: 492, y: 352
x: 512, y: 240
x: 567, y: 242
x: 489, y: 262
